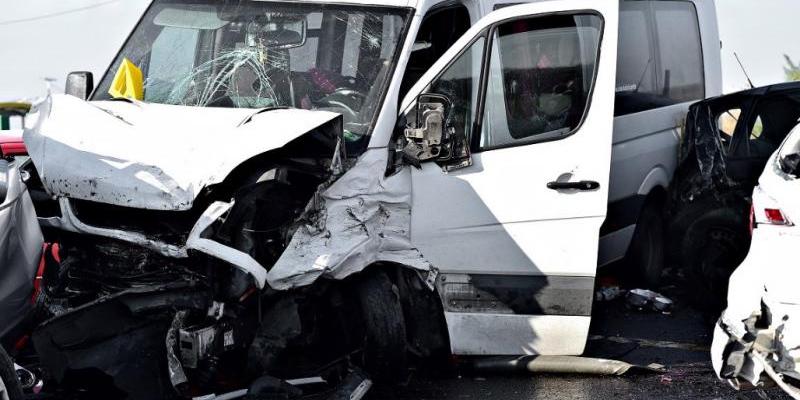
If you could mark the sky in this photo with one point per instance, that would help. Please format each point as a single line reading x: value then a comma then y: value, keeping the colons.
x: 48, y: 38
x: 761, y: 32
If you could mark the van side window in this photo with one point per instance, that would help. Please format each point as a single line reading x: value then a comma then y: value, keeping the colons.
x: 439, y: 31
x: 540, y: 77
x: 660, y: 58
x: 680, y: 52
x: 460, y: 82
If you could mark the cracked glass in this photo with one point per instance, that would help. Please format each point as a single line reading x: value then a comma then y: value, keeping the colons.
x: 255, y: 54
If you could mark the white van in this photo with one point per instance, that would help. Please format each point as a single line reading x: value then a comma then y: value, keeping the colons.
x: 284, y: 142
x: 668, y: 57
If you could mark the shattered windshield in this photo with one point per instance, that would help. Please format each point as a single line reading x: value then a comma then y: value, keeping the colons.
x: 255, y: 54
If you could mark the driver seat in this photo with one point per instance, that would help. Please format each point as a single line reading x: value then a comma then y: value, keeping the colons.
x: 278, y: 64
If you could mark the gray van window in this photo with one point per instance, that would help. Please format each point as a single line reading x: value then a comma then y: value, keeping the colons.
x: 680, y: 52
x: 459, y: 83
x: 540, y: 77
x: 659, y: 58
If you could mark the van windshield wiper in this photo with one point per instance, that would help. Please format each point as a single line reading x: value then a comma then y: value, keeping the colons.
x: 644, y: 73
x: 263, y: 110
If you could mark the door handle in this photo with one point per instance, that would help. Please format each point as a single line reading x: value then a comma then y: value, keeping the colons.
x: 580, y: 185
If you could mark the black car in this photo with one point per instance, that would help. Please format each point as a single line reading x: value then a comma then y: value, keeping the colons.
x: 727, y: 142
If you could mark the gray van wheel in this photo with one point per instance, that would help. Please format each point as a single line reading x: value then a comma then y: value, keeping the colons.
x: 645, y: 256
x: 10, y: 388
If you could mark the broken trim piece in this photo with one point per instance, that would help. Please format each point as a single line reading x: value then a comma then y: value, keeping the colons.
x: 213, y: 248
x: 540, y: 364
x: 776, y: 377
x: 70, y: 222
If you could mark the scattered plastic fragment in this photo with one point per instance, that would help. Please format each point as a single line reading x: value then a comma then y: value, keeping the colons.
x: 608, y: 293
x: 642, y: 299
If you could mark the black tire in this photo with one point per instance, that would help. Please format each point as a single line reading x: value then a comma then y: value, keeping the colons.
x: 9, y: 384
x: 385, y: 352
x: 713, y: 247
x: 645, y: 258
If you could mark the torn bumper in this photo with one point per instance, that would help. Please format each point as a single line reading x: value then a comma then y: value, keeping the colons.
x: 757, y: 338
x: 763, y: 347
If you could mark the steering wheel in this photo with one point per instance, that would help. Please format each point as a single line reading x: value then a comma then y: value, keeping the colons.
x: 346, y: 99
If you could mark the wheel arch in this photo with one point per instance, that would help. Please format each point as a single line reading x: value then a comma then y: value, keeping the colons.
x: 656, y: 180
x: 423, y: 310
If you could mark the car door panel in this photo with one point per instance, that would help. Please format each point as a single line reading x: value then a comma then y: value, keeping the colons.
x: 518, y: 258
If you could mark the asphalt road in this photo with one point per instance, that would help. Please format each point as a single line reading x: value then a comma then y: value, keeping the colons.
x: 678, y: 341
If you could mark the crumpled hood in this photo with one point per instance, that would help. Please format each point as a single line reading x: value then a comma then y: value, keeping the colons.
x: 151, y: 156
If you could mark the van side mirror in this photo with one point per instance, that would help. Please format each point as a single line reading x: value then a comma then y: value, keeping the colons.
x: 430, y: 137
x: 428, y: 131
x: 79, y: 84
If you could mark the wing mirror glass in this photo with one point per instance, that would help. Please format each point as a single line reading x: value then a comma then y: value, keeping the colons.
x: 79, y: 84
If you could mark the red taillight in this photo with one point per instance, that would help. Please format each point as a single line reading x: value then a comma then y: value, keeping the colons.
x: 776, y: 217
x: 12, y: 146
x: 752, y: 219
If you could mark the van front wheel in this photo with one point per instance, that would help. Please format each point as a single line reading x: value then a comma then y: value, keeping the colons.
x: 385, y: 347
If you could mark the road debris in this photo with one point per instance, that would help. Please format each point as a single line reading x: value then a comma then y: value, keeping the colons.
x: 642, y: 299
x: 608, y: 293
x: 561, y: 365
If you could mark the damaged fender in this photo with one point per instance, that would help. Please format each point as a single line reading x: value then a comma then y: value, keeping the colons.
x: 361, y: 219
x: 758, y: 336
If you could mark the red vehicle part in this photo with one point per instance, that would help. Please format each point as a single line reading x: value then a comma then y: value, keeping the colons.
x: 50, y: 257
x: 11, y: 146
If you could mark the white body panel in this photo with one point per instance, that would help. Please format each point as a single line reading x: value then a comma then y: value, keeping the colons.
x: 151, y: 156
x: 498, y: 216
x: 522, y: 334
x: 768, y: 275
x: 645, y: 149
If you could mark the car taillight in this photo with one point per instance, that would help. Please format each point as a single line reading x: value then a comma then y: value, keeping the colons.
x: 752, y: 219
x: 775, y: 217
x: 11, y: 148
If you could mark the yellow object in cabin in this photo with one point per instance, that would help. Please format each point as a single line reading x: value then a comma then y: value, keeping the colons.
x: 127, y: 82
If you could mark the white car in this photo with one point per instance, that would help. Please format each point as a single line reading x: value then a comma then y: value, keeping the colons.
x: 758, y: 336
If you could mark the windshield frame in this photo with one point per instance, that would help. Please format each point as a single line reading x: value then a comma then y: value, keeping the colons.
x: 407, y: 13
